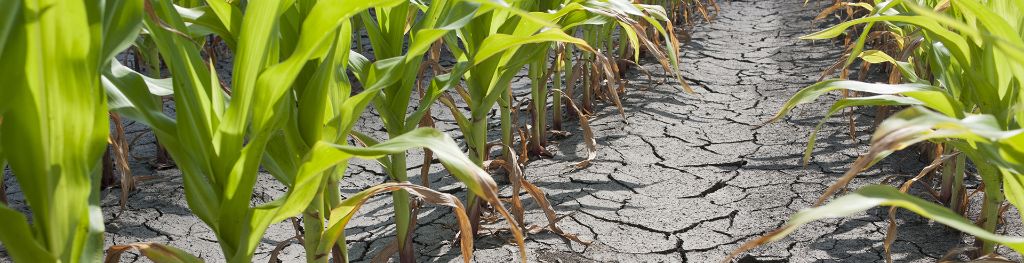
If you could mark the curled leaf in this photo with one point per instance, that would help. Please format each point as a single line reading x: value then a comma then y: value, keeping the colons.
x: 348, y: 207
x: 156, y: 252
x: 879, y: 195
x: 588, y: 134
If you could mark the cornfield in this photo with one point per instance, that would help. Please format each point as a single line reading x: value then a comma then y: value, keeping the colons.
x: 303, y: 75
x: 297, y: 87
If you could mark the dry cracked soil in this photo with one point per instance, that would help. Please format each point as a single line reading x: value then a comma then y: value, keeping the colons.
x: 684, y: 178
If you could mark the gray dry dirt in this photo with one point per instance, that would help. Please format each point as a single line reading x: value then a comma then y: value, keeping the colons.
x: 687, y: 177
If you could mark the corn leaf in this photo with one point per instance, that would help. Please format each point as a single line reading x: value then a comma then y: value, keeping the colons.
x: 18, y: 240
x: 882, y: 195
x: 877, y: 100
x: 496, y: 43
x: 342, y: 214
x: 932, y: 97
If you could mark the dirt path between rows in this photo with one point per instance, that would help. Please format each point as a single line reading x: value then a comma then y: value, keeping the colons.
x: 687, y: 179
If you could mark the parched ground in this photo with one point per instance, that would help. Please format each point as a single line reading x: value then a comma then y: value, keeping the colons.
x: 687, y: 177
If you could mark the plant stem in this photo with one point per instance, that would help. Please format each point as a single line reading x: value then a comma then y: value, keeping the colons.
x: 3, y: 184
x: 478, y: 129
x: 505, y: 103
x: 556, y: 86
x: 313, y: 226
x: 588, y: 75
x: 945, y: 187
x: 403, y: 212
x: 959, y: 193
x: 332, y: 194
x: 540, y: 103
x: 589, y: 85
x: 570, y: 81
x: 989, y: 218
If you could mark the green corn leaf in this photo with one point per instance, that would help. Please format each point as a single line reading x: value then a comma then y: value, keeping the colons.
x: 502, y: 6
x: 230, y: 17
x: 956, y: 43
x: 318, y: 31
x: 877, y: 100
x: 634, y: 41
x: 257, y: 27
x: 438, y: 86
x: 622, y: 6
x: 575, y: 19
x: 9, y: 16
x: 931, y: 96
x: 423, y: 40
x: 18, y: 240
x: 54, y: 114
x: 882, y: 195
x: 496, y: 43
x: 137, y: 96
x: 876, y: 56
x: 205, y: 20
x: 1013, y: 185
x: 122, y: 22
x: 314, y: 95
x: 981, y: 136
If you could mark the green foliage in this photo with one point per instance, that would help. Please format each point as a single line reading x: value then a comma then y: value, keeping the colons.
x: 963, y: 74
x: 882, y: 195
x: 290, y: 109
x: 54, y: 112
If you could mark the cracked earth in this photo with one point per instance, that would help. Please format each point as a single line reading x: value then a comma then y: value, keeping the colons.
x: 685, y: 178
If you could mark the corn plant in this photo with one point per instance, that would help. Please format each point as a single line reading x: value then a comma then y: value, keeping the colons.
x: 387, y: 31
x: 295, y: 126
x: 387, y: 42
x: 496, y: 44
x: 610, y: 17
x: 872, y: 45
x: 55, y: 112
x: 963, y: 90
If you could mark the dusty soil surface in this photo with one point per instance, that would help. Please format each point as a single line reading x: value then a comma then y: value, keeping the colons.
x: 686, y: 177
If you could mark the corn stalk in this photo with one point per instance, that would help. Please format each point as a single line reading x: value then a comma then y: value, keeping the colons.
x: 54, y: 111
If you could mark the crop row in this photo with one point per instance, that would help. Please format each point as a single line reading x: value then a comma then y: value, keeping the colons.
x: 297, y: 88
x: 954, y: 70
